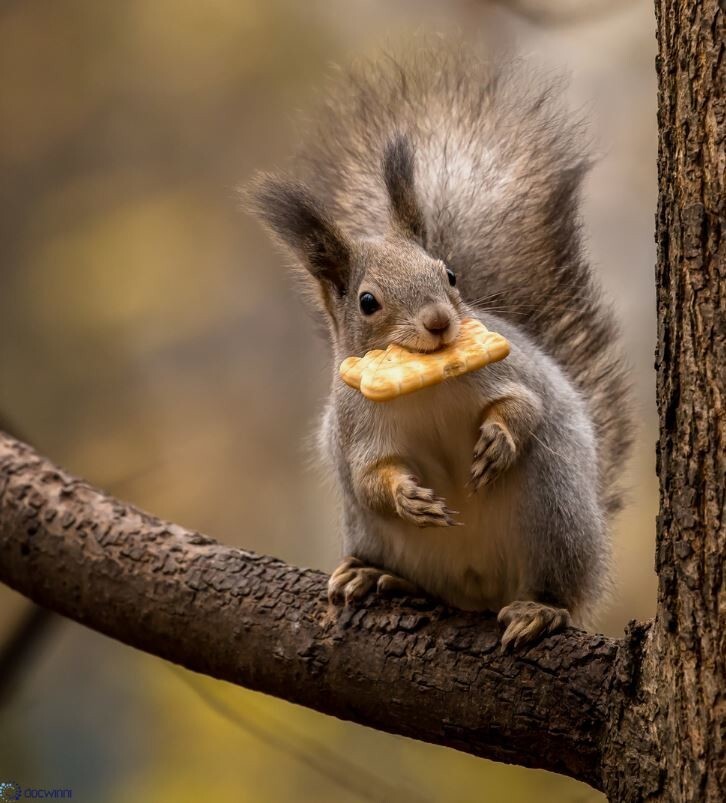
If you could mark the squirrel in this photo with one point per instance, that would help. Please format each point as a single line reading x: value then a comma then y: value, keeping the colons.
x: 431, y: 189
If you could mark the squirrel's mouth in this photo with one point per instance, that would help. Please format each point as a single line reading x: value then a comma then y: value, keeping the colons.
x: 417, y: 338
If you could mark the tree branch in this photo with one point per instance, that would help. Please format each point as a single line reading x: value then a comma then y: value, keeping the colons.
x: 412, y: 668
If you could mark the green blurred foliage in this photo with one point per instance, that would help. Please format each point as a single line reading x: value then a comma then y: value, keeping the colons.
x: 150, y: 340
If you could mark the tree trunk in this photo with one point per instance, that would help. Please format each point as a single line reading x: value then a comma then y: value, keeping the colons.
x: 690, y: 632
x: 679, y: 699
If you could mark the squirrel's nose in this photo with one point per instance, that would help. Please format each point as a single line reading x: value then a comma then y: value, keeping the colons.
x: 436, y: 318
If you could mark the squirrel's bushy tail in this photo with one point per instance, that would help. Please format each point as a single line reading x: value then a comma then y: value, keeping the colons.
x: 498, y: 168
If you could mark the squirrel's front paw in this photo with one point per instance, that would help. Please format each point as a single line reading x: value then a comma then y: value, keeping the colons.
x: 494, y: 453
x: 421, y: 506
x: 525, y: 622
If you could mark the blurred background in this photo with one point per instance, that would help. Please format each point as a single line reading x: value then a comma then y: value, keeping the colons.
x: 150, y: 341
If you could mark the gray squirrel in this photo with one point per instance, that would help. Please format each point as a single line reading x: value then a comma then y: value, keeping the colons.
x: 431, y: 189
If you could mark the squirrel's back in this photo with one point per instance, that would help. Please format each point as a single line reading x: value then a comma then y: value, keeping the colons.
x: 498, y: 171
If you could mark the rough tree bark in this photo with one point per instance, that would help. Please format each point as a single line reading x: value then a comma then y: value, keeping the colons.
x: 689, y: 637
x: 643, y: 717
x: 679, y: 694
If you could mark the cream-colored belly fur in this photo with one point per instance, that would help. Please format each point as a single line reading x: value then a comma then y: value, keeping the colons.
x: 474, y: 566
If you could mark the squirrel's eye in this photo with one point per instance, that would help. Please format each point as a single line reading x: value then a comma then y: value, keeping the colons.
x: 368, y: 303
x: 452, y: 277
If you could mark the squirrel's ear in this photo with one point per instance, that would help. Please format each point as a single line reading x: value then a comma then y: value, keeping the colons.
x: 301, y: 223
x: 398, y: 173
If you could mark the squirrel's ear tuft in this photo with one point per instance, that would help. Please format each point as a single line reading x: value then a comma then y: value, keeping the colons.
x: 300, y: 222
x: 398, y: 173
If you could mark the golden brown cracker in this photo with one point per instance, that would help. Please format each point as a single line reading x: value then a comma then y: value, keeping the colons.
x: 382, y: 375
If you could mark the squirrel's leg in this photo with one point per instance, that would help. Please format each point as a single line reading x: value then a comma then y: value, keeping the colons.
x: 353, y: 580
x: 389, y: 487
x: 525, y: 621
x: 507, y: 425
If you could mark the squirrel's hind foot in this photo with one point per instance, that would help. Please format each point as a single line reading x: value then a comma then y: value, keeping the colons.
x: 353, y: 580
x: 525, y: 622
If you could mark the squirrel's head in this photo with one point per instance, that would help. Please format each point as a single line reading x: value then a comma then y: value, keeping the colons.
x: 375, y: 290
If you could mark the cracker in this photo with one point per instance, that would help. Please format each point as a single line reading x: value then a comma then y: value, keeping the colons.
x: 382, y: 375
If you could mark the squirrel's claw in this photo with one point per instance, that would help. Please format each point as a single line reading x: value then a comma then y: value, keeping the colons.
x: 350, y: 581
x: 422, y: 507
x: 525, y: 622
x: 353, y: 580
x: 494, y: 453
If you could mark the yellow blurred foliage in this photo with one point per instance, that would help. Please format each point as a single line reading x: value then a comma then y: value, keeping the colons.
x: 137, y: 263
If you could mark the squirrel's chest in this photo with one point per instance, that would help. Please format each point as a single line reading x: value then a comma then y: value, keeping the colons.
x: 472, y: 565
x: 434, y: 431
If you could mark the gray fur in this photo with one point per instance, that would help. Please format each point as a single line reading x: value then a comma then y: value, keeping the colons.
x: 445, y: 161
